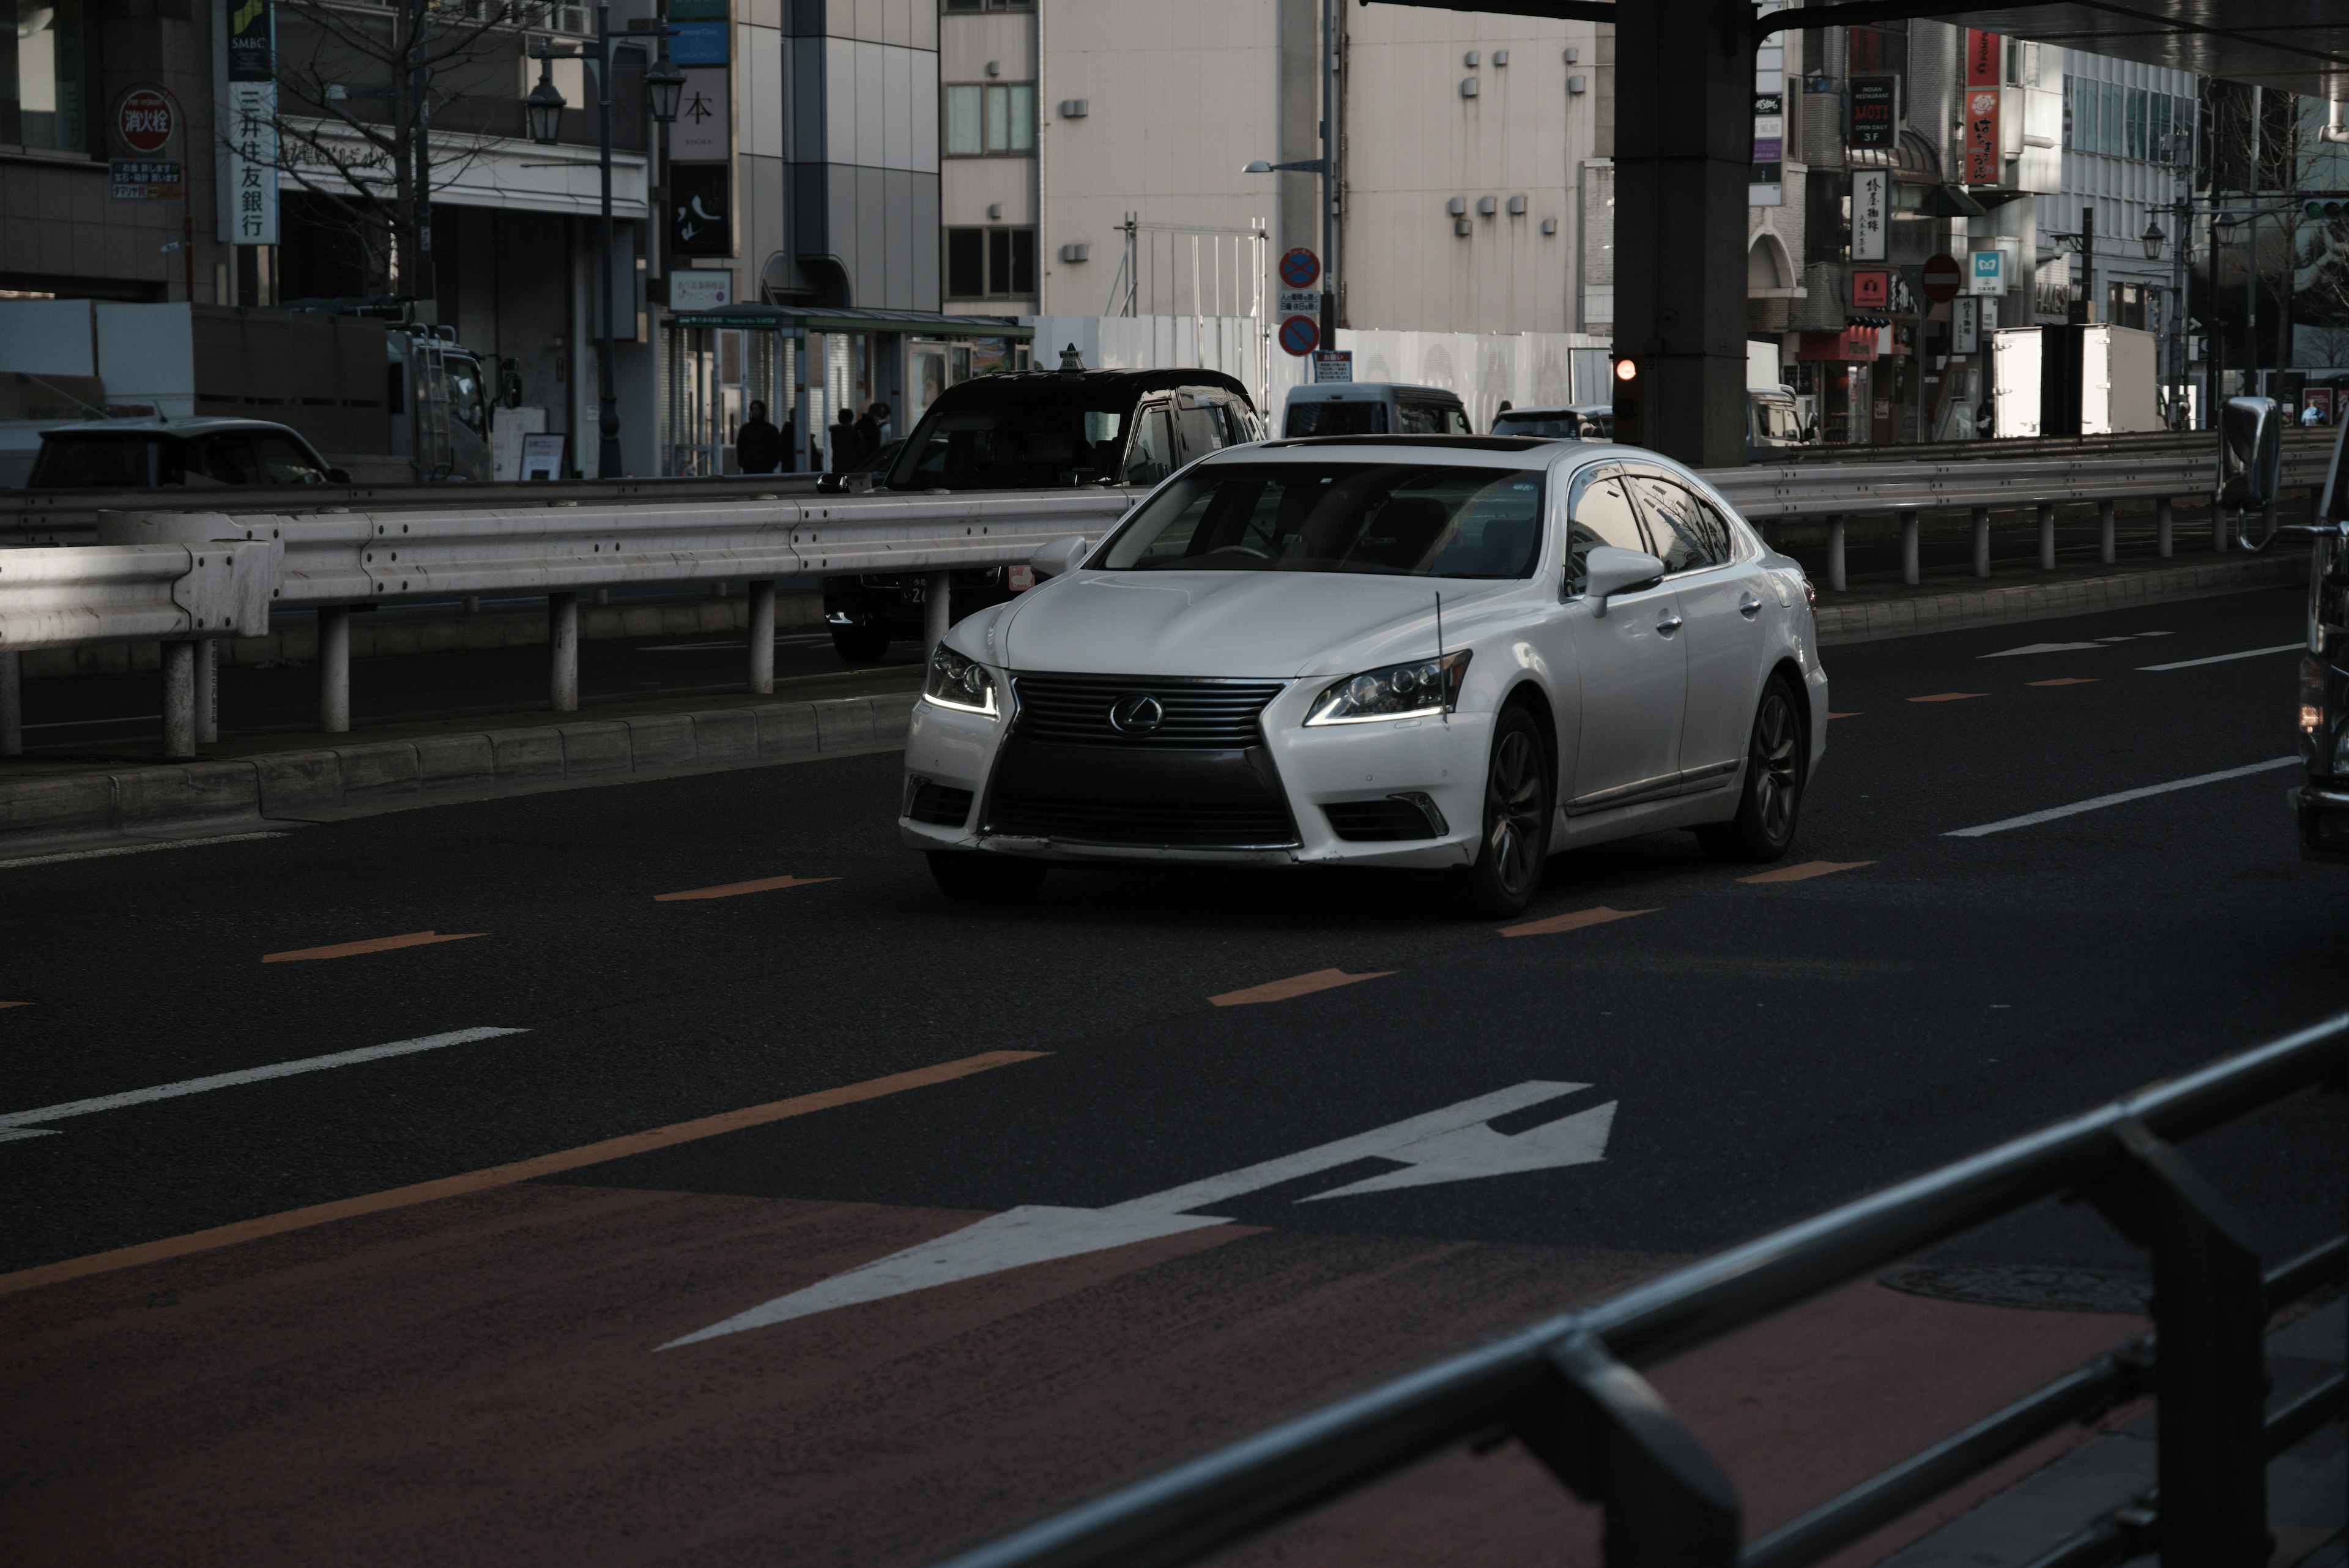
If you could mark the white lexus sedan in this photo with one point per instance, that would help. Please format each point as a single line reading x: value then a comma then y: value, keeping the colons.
x: 1452, y: 652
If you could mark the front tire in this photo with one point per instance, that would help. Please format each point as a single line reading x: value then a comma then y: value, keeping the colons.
x: 1515, y: 847
x: 1777, y: 767
x: 969, y: 877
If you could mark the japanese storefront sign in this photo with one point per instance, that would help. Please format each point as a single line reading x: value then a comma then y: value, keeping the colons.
x: 1871, y: 201
x: 1871, y: 289
x: 249, y: 166
x: 144, y: 179
x: 1984, y: 164
x: 704, y: 115
x: 700, y: 210
x: 1874, y: 114
x: 1765, y: 186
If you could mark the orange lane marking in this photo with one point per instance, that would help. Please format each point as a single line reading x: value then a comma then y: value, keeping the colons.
x: 1571, y: 922
x: 1295, y: 986
x: 1948, y: 696
x: 735, y: 890
x: 1843, y: 715
x: 372, y: 945
x: 505, y: 1175
x: 1806, y: 870
x: 2066, y: 680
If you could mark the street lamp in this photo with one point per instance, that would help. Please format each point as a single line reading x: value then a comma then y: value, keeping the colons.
x: 543, y: 106
x: 664, y: 85
x: 1311, y: 166
x: 1330, y: 10
x: 2152, y: 239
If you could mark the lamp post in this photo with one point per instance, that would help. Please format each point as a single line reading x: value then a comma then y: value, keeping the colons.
x: 1325, y: 166
x: 544, y: 107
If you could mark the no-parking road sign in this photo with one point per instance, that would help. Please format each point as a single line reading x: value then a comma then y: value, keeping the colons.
x: 1298, y: 269
x: 1300, y: 335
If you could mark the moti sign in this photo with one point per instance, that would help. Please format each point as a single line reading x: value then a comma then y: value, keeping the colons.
x: 144, y: 120
x: 1875, y: 112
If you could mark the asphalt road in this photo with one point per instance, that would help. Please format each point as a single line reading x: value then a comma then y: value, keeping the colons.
x: 476, y: 1372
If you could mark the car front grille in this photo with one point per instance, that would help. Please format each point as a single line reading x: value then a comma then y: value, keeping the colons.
x: 1196, y: 712
x: 1197, y: 824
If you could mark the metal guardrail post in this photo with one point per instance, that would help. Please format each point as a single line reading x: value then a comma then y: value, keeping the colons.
x: 179, y: 700
x: 2209, y: 1306
x: 206, y: 691
x: 2218, y: 529
x: 1909, y: 548
x: 763, y: 636
x: 563, y: 636
x: 12, y: 704
x: 937, y: 612
x: 2046, y: 536
x: 2164, y: 511
x: 2106, y: 543
x: 1981, y: 541
x: 1835, y: 554
x: 335, y: 669
x: 1612, y: 1439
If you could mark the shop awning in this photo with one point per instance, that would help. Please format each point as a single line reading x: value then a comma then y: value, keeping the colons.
x: 846, y: 318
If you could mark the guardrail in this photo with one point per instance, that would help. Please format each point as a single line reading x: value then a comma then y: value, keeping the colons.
x: 334, y: 560
x: 1569, y: 1388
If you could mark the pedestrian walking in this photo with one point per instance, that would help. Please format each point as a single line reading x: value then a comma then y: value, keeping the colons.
x: 758, y: 446
x: 845, y: 442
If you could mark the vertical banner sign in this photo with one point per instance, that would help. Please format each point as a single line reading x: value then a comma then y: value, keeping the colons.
x: 1871, y: 196
x: 1965, y: 327
x: 1874, y: 113
x: 1981, y: 135
x: 249, y: 215
x: 1767, y: 185
x: 704, y: 131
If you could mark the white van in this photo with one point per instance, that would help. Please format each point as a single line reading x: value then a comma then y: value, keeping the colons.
x: 1373, y: 408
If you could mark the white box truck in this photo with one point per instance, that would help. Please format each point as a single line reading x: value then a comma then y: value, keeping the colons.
x: 2073, y: 381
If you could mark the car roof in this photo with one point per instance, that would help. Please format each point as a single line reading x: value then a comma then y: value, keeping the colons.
x: 1546, y: 412
x: 1337, y: 390
x: 1460, y: 442
x: 1126, y: 382
x: 168, y: 427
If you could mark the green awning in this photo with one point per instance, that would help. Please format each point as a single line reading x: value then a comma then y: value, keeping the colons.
x: 844, y: 318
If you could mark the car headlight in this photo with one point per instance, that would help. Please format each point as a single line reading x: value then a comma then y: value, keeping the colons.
x: 962, y: 684
x: 1421, y: 689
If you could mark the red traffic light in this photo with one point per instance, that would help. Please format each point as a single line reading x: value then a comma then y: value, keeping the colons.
x: 1626, y: 370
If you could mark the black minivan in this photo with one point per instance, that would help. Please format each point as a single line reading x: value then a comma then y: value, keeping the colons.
x: 1034, y: 430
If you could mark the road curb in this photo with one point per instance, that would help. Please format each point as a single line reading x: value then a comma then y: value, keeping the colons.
x: 1922, y: 614
x: 377, y: 775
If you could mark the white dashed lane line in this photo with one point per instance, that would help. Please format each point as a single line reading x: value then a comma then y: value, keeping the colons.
x: 2224, y: 658
x: 2054, y: 812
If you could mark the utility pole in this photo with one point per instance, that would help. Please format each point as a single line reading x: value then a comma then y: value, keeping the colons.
x: 607, y: 456
x: 1332, y: 13
x: 2252, y: 264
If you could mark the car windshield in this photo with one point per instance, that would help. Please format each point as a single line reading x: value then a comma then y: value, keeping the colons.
x: 1405, y: 519
x: 1026, y: 434
x: 1556, y: 426
x: 1361, y: 416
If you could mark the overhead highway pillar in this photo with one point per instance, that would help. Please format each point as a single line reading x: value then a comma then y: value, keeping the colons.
x: 1909, y: 548
x: 2046, y: 536
x: 2106, y: 551
x: 1835, y: 554
x: 206, y: 691
x: 1683, y: 157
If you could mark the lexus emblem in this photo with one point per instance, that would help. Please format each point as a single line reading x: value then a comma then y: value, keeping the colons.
x: 1136, y: 713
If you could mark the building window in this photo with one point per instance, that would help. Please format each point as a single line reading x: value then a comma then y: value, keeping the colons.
x: 984, y: 120
x: 41, y: 77
x: 990, y: 263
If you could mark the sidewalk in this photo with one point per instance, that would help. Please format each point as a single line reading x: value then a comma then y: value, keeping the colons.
x: 249, y: 782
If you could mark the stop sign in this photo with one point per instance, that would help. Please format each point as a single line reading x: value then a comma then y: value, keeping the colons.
x: 144, y: 120
x: 1941, y: 278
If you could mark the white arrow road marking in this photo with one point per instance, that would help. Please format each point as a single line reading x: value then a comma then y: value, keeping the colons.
x: 2225, y: 658
x: 1449, y: 1145
x: 2040, y: 648
x: 19, y: 1123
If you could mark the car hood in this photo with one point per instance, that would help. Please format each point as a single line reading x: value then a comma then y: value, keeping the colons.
x: 1234, y: 624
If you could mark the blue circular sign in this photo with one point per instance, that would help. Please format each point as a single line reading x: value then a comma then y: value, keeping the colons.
x: 1298, y: 269
x: 1300, y: 335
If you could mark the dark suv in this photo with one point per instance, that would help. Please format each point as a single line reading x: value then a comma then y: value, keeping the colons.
x: 148, y: 454
x: 1035, y: 429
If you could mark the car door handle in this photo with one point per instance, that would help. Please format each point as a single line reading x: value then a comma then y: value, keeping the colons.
x: 1669, y: 623
x: 1749, y: 607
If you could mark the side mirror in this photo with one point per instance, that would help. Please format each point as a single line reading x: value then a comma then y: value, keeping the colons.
x: 1058, y: 557
x: 2251, y: 453
x: 1612, y: 570
x: 338, y: 476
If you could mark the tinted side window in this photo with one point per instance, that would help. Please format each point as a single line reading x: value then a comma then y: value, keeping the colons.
x: 1684, y: 537
x: 1417, y: 417
x: 1201, y: 431
x: 104, y: 463
x: 1151, y: 456
x: 1601, y: 514
x: 228, y: 458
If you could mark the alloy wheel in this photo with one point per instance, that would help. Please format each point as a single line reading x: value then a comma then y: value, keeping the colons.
x: 1513, y: 811
x: 1776, y: 766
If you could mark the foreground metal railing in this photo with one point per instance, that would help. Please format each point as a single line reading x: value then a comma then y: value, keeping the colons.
x: 1570, y: 1391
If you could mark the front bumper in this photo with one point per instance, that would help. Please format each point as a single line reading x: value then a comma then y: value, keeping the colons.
x: 952, y: 758
x: 2323, y: 815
